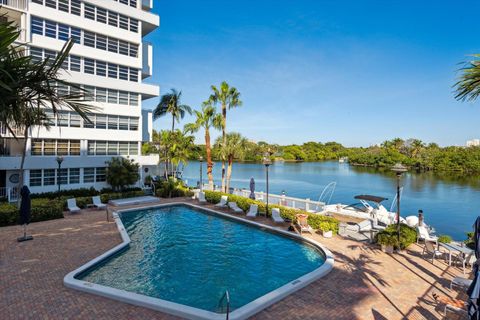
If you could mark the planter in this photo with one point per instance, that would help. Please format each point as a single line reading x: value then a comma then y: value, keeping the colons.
x: 387, y: 249
x: 327, y: 234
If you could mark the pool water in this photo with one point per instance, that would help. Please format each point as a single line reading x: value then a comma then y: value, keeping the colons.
x: 189, y: 256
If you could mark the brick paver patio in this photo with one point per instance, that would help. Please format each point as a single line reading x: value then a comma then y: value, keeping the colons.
x: 365, y: 283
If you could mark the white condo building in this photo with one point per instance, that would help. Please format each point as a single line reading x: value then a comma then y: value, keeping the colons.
x: 110, y: 60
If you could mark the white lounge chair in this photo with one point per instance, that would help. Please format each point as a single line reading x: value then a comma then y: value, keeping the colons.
x: 223, y: 202
x: 276, y: 215
x: 430, y: 250
x: 201, y: 197
x: 97, y: 202
x: 252, y: 212
x: 72, y: 205
x: 424, y: 235
x: 303, y: 223
x: 234, y: 207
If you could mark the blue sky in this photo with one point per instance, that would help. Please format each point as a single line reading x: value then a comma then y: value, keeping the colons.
x: 356, y: 72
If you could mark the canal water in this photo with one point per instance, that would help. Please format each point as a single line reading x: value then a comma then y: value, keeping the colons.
x: 450, y: 202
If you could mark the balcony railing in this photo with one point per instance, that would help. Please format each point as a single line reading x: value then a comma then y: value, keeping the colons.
x: 16, y: 4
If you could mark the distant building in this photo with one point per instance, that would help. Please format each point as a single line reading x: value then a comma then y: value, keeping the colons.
x: 473, y: 143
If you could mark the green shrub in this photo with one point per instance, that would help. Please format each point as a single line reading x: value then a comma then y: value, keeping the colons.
x: 72, y: 193
x: 316, y: 221
x: 444, y: 238
x: 42, y: 210
x: 408, y: 235
x: 172, y: 189
x: 470, y: 243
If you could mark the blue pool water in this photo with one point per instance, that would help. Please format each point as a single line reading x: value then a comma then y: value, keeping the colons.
x: 190, y: 257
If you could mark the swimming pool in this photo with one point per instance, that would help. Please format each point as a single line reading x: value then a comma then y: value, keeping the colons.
x: 182, y: 259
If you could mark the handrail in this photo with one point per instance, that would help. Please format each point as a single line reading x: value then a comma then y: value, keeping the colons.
x: 226, y: 296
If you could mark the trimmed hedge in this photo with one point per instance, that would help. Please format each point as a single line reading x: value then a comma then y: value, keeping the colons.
x: 42, y: 210
x: 316, y: 221
x: 408, y: 235
x: 78, y: 193
x: 172, y: 189
x: 48, y: 209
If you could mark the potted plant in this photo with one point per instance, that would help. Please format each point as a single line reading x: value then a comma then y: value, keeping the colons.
x: 326, y: 229
x: 387, y: 241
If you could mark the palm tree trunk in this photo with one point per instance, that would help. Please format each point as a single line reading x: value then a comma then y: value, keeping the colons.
x: 21, y: 181
x: 229, y: 171
x: 224, y: 138
x: 173, y: 123
x: 208, y: 148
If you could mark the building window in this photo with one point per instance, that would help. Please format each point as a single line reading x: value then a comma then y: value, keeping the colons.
x: 102, y: 68
x: 112, y: 19
x: 123, y: 148
x: 112, y: 148
x: 51, y: 4
x: 101, y: 148
x: 62, y: 147
x: 75, y: 7
x: 74, y: 175
x: 49, y: 147
x: 101, y: 42
x: 49, y: 177
x: 89, y: 39
x: 113, y: 96
x: 101, y: 122
x: 88, y: 175
x: 134, y: 124
x: 76, y: 33
x: 133, y: 99
x: 50, y: 29
x: 89, y: 11
x: 101, y: 15
x: 123, y: 123
x: 100, y: 175
x: 89, y: 66
x: 112, y: 45
x: 113, y: 70
x: 74, y: 147
x: 75, y: 120
x: 37, y: 147
x: 133, y: 149
x: 62, y: 176
x: 112, y: 122
x: 123, y: 98
x: 35, y: 178
x: 133, y: 25
x: 37, y: 26
x: 75, y: 63
x: 63, y: 5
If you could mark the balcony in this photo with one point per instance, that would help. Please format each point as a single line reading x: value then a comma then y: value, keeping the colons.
x: 21, y: 5
x: 147, y: 56
x: 147, y: 5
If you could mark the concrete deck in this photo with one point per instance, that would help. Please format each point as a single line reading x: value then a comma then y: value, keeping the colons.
x: 365, y: 283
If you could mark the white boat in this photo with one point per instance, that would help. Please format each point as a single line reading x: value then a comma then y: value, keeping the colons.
x: 368, y: 207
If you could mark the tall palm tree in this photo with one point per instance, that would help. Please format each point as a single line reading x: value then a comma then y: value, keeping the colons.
x: 228, y: 97
x: 206, y: 119
x: 170, y: 103
x: 467, y: 87
x: 28, y: 88
x: 235, y: 148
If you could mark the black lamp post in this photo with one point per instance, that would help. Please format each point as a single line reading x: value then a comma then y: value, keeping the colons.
x: 201, y: 172
x: 267, y: 162
x: 399, y: 169
x: 59, y: 161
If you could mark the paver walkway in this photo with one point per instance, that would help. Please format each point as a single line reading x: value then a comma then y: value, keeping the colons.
x: 364, y: 284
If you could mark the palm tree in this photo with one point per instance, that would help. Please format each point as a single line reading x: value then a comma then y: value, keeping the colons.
x: 174, y: 147
x: 228, y: 97
x: 206, y: 119
x: 235, y: 148
x: 170, y: 103
x: 28, y: 88
x: 468, y: 87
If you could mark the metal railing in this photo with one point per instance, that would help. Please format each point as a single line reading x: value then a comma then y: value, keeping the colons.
x: 226, y: 297
x: 283, y: 200
x: 17, y: 4
x: 10, y: 194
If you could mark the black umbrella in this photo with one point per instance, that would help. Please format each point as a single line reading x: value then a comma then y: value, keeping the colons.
x: 25, y: 212
x: 474, y: 289
x: 252, y: 189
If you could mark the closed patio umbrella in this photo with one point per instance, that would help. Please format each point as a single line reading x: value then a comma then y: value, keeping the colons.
x: 25, y: 212
x: 252, y: 189
x: 474, y: 289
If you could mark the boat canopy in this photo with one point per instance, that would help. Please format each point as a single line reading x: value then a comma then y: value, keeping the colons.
x: 370, y: 198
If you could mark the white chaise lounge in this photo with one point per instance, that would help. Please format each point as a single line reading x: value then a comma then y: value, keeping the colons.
x: 223, y: 202
x: 303, y: 223
x: 252, y: 212
x: 201, y: 197
x: 72, y: 205
x: 276, y: 215
x: 424, y: 235
x: 234, y: 207
x: 97, y: 202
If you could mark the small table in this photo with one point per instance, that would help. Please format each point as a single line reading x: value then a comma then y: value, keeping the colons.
x: 453, y: 247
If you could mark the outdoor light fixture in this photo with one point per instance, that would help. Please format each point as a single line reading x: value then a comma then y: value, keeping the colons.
x: 59, y: 161
x: 201, y: 172
x: 399, y: 169
x: 267, y: 162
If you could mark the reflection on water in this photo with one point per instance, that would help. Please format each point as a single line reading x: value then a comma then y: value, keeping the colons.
x: 450, y: 201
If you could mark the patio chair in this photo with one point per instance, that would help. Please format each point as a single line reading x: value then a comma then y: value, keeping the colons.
x: 365, y: 225
x: 234, y: 207
x: 97, y: 202
x: 72, y: 205
x: 252, y: 212
x: 460, y: 282
x: 303, y: 223
x: 276, y: 215
x: 423, y: 234
x: 201, y: 197
x: 466, y: 259
x: 430, y: 250
x: 223, y: 202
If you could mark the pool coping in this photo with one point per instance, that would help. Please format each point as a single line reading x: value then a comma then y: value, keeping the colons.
x: 185, y: 311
